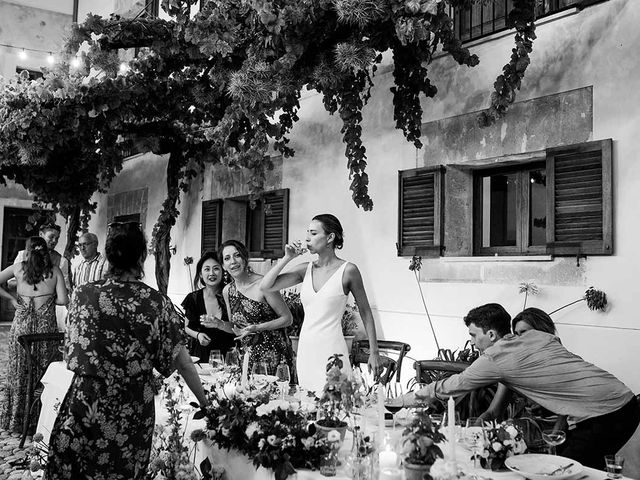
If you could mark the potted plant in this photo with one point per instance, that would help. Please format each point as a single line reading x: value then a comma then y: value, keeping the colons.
x: 339, y: 398
x: 419, y: 445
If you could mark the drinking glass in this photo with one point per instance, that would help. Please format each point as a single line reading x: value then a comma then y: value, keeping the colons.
x: 552, y: 438
x: 216, y: 360
x: 259, y: 368
x: 614, y: 464
x: 394, y: 400
x: 284, y: 377
x: 232, y: 358
x: 474, y: 437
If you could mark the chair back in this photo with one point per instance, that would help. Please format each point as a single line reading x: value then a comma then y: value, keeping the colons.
x: 531, y: 434
x: 40, y: 350
x: 392, y: 354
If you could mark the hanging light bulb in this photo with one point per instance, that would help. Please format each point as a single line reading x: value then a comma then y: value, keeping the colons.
x: 50, y: 58
x: 22, y: 54
x: 75, y: 62
x: 124, y: 68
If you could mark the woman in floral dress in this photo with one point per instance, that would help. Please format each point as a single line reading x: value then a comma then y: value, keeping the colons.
x: 259, y: 319
x: 40, y: 286
x: 119, y: 330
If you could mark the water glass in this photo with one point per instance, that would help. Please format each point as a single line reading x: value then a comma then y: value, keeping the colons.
x: 259, y: 368
x: 216, y: 360
x: 232, y: 358
x: 474, y: 437
x: 614, y: 464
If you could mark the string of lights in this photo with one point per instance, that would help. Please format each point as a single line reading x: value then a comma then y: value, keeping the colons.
x: 22, y: 52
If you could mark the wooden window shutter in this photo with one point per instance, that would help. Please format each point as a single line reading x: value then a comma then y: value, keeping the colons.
x: 579, y: 199
x: 275, y: 223
x: 420, y: 208
x: 211, y: 224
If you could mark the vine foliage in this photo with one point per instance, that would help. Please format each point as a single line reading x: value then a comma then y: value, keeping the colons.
x: 223, y: 87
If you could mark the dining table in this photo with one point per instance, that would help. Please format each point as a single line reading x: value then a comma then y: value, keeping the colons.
x: 238, y: 466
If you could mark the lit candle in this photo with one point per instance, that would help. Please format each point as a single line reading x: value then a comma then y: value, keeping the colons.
x: 380, y: 413
x: 390, y: 474
x: 245, y: 370
x: 451, y: 428
x: 388, y: 459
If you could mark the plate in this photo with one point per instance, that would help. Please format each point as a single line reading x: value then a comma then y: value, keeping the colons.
x: 538, y: 466
x: 195, y: 359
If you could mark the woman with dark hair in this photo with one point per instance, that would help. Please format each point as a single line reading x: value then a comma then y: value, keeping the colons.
x: 207, y: 319
x: 259, y: 318
x: 40, y: 287
x: 119, y: 330
x: 326, y: 285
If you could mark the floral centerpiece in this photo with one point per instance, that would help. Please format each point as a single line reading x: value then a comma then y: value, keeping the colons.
x: 340, y: 397
x: 502, y: 440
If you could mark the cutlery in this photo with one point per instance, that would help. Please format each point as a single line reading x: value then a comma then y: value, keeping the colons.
x: 560, y: 469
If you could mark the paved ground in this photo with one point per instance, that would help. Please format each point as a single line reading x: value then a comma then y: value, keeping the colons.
x: 8, y: 441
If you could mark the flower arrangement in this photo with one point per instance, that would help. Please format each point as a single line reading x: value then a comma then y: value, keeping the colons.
x: 419, y: 440
x: 502, y: 440
x: 276, y: 434
x: 340, y: 397
x: 36, y: 457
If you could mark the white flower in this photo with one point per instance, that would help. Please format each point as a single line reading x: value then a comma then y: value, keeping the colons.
x: 512, y: 431
x: 308, y: 442
x: 444, y: 470
x: 251, y: 429
x: 497, y: 446
x: 261, y: 443
x: 272, y: 440
x: 225, y: 431
x: 333, y: 436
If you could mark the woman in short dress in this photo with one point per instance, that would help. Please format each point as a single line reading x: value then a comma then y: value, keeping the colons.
x: 207, y: 319
x: 259, y: 319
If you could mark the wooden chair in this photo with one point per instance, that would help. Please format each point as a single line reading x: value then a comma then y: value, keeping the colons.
x: 36, y: 366
x: 391, y: 356
x: 471, y: 404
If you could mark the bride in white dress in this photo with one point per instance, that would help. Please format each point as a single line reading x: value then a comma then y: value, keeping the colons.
x: 326, y: 284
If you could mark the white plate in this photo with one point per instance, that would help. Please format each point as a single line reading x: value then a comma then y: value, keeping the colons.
x: 538, y: 466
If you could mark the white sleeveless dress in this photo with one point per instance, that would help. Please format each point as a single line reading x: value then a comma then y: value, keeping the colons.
x: 321, y: 333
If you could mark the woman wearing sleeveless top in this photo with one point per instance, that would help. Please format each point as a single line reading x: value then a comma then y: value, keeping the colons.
x: 40, y: 287
x: 326, y: 285
x: 259, y: 319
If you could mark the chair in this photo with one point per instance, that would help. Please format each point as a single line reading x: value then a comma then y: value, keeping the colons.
x: 471, y: 404
x: 392, y: 366
x: 36, y: 366
x: 531, y: 434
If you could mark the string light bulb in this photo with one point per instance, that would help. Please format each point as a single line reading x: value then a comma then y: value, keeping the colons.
x: 22, y: 54
x: 50, y: 58
x: 75, y: 62
x: 124, y: 68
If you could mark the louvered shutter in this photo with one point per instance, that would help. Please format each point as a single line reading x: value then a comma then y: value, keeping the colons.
x: 211, y: 224
x: 275, y: 223
x: 579, y: 204
x: 420, y: 211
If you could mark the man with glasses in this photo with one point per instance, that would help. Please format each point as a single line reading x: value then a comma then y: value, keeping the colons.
x: 93, y: 266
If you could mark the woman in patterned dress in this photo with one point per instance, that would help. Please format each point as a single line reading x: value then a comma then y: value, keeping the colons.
x: 259, y: 319
x: 119, y: 330
x: 40, y: 287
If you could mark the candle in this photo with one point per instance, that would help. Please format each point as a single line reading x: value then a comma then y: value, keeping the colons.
x: 245, y: 370
x: 380, y: 413
x: 390, y: 474
x: 451, y: 428
x: 388, y: 459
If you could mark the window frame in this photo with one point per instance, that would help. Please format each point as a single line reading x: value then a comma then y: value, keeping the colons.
x: 523, y: 196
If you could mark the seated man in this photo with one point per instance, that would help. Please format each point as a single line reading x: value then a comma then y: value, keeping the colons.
x: 536, y: 365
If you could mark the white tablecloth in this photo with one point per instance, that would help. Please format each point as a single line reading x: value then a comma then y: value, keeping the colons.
x: 57, y: 380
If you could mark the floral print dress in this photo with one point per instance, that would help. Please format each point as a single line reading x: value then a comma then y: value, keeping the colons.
x: 28, y: 319
x: 117, y: 333
x: 270, y: 346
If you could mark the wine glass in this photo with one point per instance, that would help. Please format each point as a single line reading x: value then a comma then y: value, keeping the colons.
x: 474, y: 437
x: 394, y: 401
x: 284, y: 377
x: 552, y: 438
x: 259, y: 368
x: 216, y: 360
x: 232, y: 358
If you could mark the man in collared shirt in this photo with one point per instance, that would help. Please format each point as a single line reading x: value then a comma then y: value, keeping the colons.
x: 536, y: 365
x: 94, y: 265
